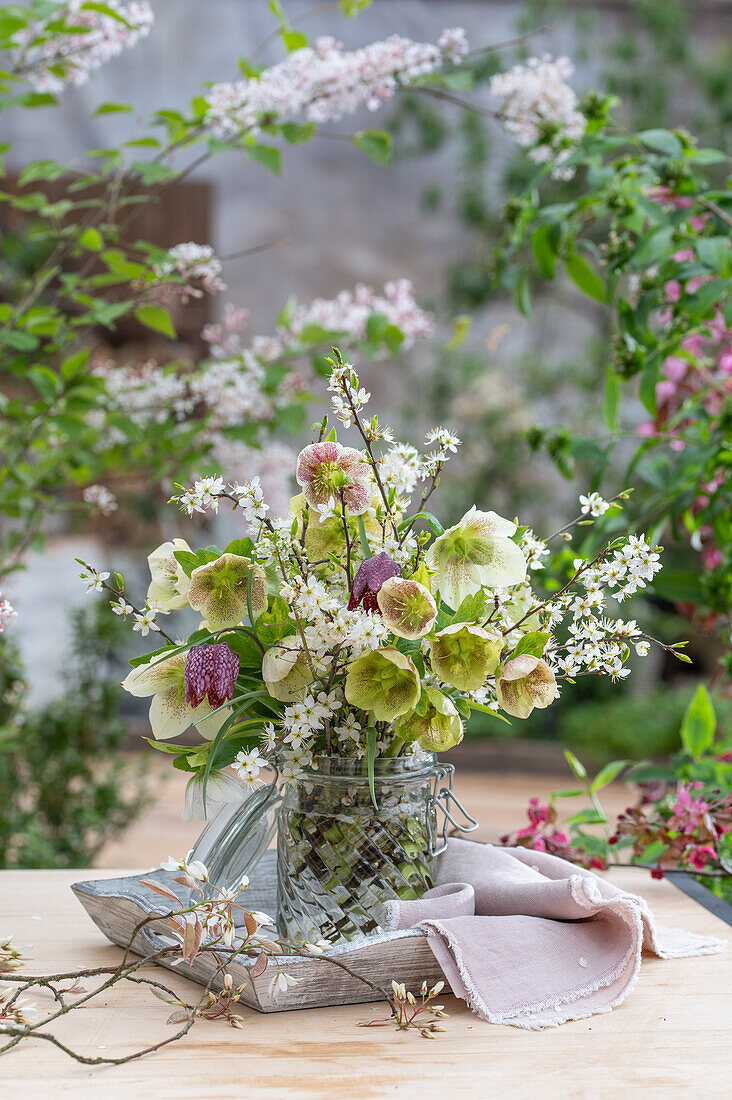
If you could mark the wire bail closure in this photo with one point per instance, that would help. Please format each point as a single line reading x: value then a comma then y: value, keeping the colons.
x: 441, y: 798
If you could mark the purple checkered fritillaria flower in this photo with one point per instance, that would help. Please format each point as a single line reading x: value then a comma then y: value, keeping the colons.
x: 369, y: 578
x: 210, y: 673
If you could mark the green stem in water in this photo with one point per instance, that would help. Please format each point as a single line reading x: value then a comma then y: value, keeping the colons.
x: 395, y: 747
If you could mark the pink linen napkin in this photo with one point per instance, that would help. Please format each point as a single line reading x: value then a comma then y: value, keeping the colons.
x: 531, y: 940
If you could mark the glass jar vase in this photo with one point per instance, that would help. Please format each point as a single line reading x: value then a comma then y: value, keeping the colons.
x: 340, y: 857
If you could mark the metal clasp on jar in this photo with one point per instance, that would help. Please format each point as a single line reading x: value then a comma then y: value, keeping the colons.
x: 441, y: 797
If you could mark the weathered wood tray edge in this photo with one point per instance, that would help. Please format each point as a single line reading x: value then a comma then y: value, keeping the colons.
x: 117, y: 905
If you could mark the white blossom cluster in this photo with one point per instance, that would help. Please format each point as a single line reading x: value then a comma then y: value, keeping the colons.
x: 539, y: 109
x: 402, y: 466
x: 330, y: 625
x: 6, y: 612
x: 346, y: 314
x: 49, y: 59
x: 534, y: 549
x: 600, y: 646
x: 348, y: 398
x: 250, y: 501
x: 100, y: 498
x: 205, y: 493
x: 227, y: 392
x: 325, y: 82
x: 194, y: 263
x: 145, y: 392
x: 232, y: 391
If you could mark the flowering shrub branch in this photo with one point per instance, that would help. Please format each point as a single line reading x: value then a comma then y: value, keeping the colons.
x: 682, y: 820
x: 217, y: 925
x: 646, y: 236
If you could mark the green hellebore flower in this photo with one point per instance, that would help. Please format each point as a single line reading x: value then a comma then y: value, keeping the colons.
x: 383, y: 681
x: 476, y: 552
x: 285, y: 670
x: 407, y: 607
x: 523, y: 683
x: 219, y: 590
x: 465, y: 654
x: 440, y: 729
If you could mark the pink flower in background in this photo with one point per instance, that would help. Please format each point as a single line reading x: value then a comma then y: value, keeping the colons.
x: 688, y: 811
x: 701, y: 855
x: 6, y: 612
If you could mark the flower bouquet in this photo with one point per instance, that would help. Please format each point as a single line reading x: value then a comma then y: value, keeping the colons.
x: 346, y: 643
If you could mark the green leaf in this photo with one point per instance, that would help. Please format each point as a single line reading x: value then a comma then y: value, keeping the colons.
x: 609, y: 772
x: 708, y: 156
x: 433, y: 523
x: 544, y: 244
x: 522, y: 295
x: 676, y: 585
x: 713, y: 252
x: 112, y: 109
x: 157, y: 319
x: 662, y: 141
x: 363, y: 538
x: 151, y: 173
x: 189, y: 561
x: 613, y: 391
x: 576, y: 765
x: 648, y: 383
x: 105, y: 9
x: 376, y: 144
x: 294, y: 40
x: 590, y: 816
x: 351, y: 8
x: 488, y: 710
x: 707, y: 296
x: 653, y: 247
x: 92, y: 239
x: 655, y: 850
x: 698, y: 724
x: 41, y: 170
x: 584, y: 277
x: 371, y: 735
x: 470, y: 609
x: 533, y: 643
x: 268, y: 155
x: 296, y: 132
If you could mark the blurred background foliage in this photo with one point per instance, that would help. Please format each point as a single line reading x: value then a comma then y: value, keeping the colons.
x: 65, y: 784
x: 493, y: 396
x: 512, y: 409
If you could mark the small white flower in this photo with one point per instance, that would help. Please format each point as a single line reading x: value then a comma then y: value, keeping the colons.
x: 145, y: 621
x: 121, y: 607
x: 593, y: 504
x: 281, y: 982
x: 94, y: 581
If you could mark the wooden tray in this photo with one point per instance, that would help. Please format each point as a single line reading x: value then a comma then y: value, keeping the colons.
x: 116, y: 905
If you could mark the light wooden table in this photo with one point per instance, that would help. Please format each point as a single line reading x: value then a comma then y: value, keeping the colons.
x: 671, y: 1037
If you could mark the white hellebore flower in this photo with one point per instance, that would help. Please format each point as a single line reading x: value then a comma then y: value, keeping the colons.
x: 169, y: 585
x: 478, y: 551
x: 222, y: 787
x: 170, y: 712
